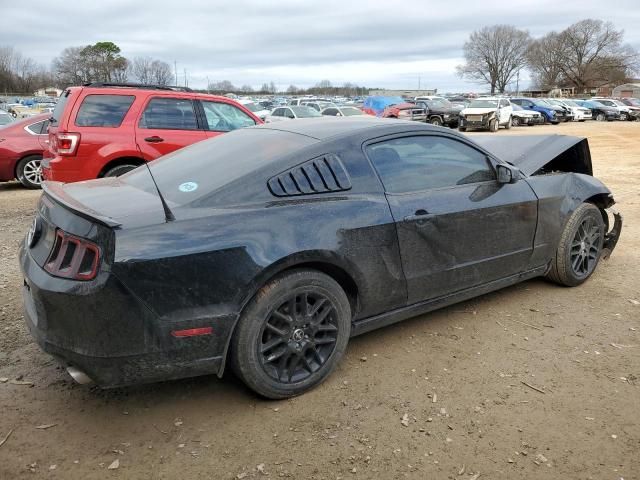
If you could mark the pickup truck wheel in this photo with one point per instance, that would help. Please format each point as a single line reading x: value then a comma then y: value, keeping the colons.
x: 292, y: 334
x: 493, y: 125
x: 437, y: 121
x: 29, y: 172
x: 119, y: 170
x: 580, y: 247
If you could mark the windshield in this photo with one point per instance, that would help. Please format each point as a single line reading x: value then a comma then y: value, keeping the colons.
x: 484, y: 103
x: 199, y: 170
x: 593, y: 103
x: 5, y: 119
x: 251, y: 106
x: 541, y: 103
x: 439, y: 102
x: 571, y: 103
x: 305, y: 112
x: 633, y: 101
x: 57, y: 112
x: 351, y: 111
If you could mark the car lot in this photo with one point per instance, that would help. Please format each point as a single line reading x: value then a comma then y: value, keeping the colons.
x: 463, y: 376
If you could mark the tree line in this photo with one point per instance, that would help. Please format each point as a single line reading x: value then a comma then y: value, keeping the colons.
x: 324, y: 87
x: 587, y: 54
x: 101, y: 62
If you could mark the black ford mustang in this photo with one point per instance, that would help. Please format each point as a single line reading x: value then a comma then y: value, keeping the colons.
x: 269, y: 247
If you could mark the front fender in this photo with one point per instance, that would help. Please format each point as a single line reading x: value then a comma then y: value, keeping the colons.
x: 559, y: 195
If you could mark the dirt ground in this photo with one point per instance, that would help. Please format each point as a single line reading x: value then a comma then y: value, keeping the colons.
x: 532, y: 382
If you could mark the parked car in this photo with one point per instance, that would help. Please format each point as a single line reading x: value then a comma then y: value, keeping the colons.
x: 578, y: 113
x: 292, y: 112
x: 440, y: 111
x: 599, y: 111
x: 22, y: 144
x: 488, y: 113
x: 257, y: 109
x: 318, y: 106
x: 520, y: 116
x: 5, y: 118
x: 625, y: 111
x: 550, y: 113
x: 344, y: 111
x: 106, y: 129
x: 228, y: 266
x: 393, y: 107
x: 631, y: 102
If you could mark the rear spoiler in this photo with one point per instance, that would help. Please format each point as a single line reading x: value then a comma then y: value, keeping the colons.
x: 55, y: 191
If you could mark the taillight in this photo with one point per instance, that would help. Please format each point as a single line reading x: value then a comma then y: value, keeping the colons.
x: 67, y: 143
x: 73, y: 257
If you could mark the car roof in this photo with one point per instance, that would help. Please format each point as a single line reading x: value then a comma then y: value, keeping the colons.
x: 327, y: 127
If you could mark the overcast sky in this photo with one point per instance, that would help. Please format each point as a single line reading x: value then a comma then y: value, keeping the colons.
x: 373, y: 43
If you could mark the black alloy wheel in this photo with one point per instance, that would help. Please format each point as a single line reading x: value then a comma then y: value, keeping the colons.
x: 298, y: 337
x: 292, y: 334
x: 585, y: 248
x: 580, y: 246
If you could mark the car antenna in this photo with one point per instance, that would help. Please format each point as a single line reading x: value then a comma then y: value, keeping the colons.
x: 168, y: 215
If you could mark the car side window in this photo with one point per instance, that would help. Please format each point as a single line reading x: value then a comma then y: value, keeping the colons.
x: 331, y: 111
x: 277, y: 112
x: 410, y: 164
x: 169, y: 114
x: 103, y: 110
x: 39, y: 128
x: 289, y: 113
x: 223, y: 117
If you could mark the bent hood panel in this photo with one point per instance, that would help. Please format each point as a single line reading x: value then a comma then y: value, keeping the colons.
x: 530, y: 153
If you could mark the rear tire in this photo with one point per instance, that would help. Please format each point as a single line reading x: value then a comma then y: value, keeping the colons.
x: 29, y: 171
x: 292, y: 334
x: 462, y: 129
x: 119, y: 170
x: 580, y: 247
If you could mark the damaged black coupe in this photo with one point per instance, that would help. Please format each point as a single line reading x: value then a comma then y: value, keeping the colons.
x: 267, y: 248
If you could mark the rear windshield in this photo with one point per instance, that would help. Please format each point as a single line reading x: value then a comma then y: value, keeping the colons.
x: 199, y: 170
x: 103, y: 110
x: 57, y: 112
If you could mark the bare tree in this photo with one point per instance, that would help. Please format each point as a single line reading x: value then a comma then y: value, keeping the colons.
x: 141, y: 69
x: 246, y: 89
x: 494, y: 55
x: 225, y: 86
x: 160, y: 73
x: 543, y: 60
x: 590, y: 50
x: 292, y: 89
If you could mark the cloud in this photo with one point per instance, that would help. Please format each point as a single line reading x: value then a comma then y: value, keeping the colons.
x: 373, y: 43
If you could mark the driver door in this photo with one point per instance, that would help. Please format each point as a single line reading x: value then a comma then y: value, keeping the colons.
x: 457, y: 226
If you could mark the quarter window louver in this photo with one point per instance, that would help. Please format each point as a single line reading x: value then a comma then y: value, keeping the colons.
x: 319, y: 175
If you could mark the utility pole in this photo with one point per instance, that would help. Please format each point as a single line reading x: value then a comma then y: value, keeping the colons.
x: 208, y: 84
x: 419, y: 82
x: 185, y: 78
x: 175, y: 69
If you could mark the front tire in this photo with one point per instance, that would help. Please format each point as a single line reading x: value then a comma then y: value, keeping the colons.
x: 462, y: 129
x: 515, y: 121
x: 29, y: 171
x: 580, y: 247
x: 292, y: 334
x: 600, y: 117
x: 493, y: 125
x: 508, y: 124
x: 436, y: 121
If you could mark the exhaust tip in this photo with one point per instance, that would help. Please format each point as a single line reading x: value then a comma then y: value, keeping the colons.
x: 78, y: 375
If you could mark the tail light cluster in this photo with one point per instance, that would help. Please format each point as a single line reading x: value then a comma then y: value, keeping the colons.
x: 66, y: 143
x: 73, y: 257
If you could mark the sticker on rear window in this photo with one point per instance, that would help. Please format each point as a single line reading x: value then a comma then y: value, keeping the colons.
x: 188, y: 187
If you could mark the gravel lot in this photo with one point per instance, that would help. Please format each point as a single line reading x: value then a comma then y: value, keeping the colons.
x: 456, y: 376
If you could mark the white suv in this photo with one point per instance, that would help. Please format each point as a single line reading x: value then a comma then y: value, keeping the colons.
x: 488, y: 113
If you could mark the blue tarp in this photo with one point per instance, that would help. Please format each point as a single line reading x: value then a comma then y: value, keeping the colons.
x: 378, y: 103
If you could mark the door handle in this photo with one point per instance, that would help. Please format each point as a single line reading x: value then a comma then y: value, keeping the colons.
x: 154, y: 139
x: 421, y: 217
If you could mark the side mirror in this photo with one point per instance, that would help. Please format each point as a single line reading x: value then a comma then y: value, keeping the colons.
x: 507, y: 173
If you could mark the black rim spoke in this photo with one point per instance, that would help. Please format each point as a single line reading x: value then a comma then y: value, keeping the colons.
x: 298, y: 337
x: 585, y: 247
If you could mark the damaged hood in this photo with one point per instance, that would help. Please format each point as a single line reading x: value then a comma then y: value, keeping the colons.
x: 531, y: 153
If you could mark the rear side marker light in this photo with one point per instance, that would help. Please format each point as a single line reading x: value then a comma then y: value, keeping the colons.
x: 73, y: 257
x: 192, y: 332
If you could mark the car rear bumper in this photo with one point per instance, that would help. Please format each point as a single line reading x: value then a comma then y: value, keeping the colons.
x: 66, y: 170
x: 103, y: 330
